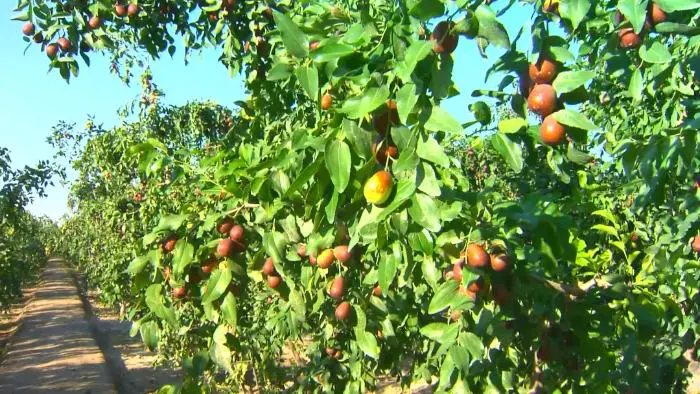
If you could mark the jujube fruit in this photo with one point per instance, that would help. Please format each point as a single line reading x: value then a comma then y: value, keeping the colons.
x: 120, y: 10
x: 209, y: 265
x: 544, y: 353
x: 457, y: 270
x: 696, y: 244
x: 501, y: 294
x: 51, y: 50
x: 455, y: 315
x: 179, y: 292
x: 342, y: 311
x: 387, y: 118
x: 28, y: 29
x: 551, y: 131
x: 236, y: 233
x: 337, y: 287
x: 274, y: 281
x: 64, y: 44
x: 95, y: 22
x: 628, y: 38
x: 326, y: 101
x: 477, y: 256
x: 314, y: 45
x: 225, y: 247
x: 225, y: 226
x: 312, y: 259
x: 377, y: 291
x: 382, y: 149
x: 543, y: 71
x: 466, y: 292
x: 132, y: 10
x: 342, y: 253
x: 444, y: 41
x: 476, y: 286
x: 542, y: 100
x: 169, y: 244
x: 551, y: 6
x: 301, y: 250
x: 378, y: 188
x: 325, y: 259
x: 500, y: 262
x: 657, y: 14
x: 38, y: 38
x: 269, y: 267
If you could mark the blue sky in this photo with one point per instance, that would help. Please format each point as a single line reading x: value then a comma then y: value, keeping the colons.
x: 32, y: 100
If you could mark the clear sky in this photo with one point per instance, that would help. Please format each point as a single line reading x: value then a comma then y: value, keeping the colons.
x: 32, y: 100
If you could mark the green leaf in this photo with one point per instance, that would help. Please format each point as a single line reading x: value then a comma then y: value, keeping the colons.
x: 472, y: 343
x: 443, y: 296
x: 406, y: 99
x: 418, y: 50
x: 294, y: 39
x: 303, y: 177
x: 635, y: 11
x: 338, y: 162
x: 388, y: 266
x: 308, y: 78
x: 490, y: 28
x: 229, y: 310
x: 426, y: 180
x: 605, y: 213
x: 677, y: 5
x: 440, y: 120
x: 574, y: 119
x: 512, y: 125
x: 358, y: 106
x: 568, y: 81
x: 510, y: 151
x: 431, y: 151
x: 221, y: 355
x: 636, y: 85
x: 426, y: 9
x: 279, y: 71
x: 331, y: 51
x: 367, y: 343
x: 606, y: 229
x: 482, y: 112
x: 274, y: 244
x: 216, y: 285
x: 574, y: 10
x: 460, y: 356
x: 360, y: 138
x: 440, y: 332
x: 172, y: 223
x: 154, y: 301
x: 424, y: 211
x: 137, y: 265
x: 21, y: 17
x: 183, y: 255
x: 656, y: 53
x: 404, y: 191
x: 561, y: 54
x: 677, y: 28
x: 149, y: 335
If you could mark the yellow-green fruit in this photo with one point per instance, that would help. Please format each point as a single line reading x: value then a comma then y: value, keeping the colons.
x: 378, y: 188
x: 325, y: 259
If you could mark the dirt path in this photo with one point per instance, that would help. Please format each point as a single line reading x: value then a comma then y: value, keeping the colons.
x: 54, y: 350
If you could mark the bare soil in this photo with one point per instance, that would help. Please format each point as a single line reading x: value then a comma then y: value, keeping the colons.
x: 62, y: 341
x: 52, y: 349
